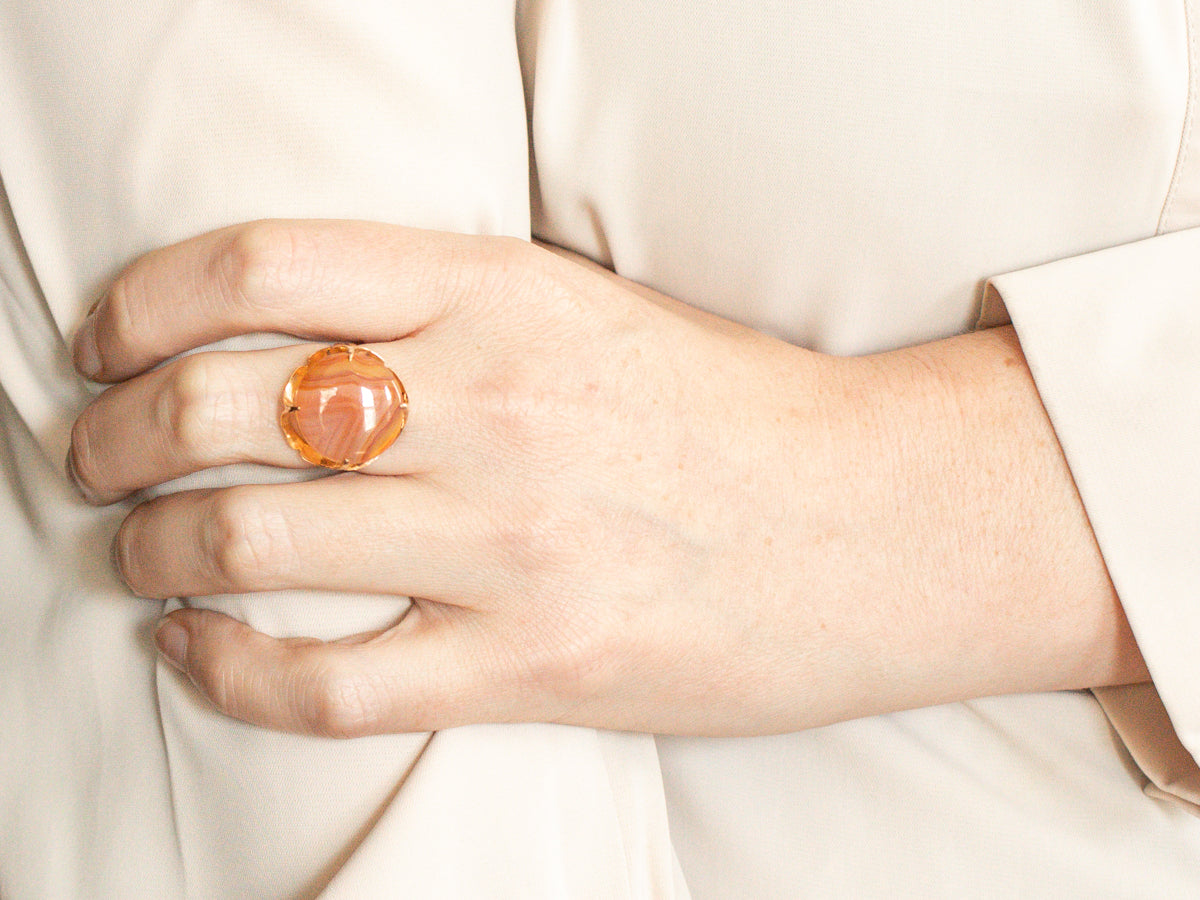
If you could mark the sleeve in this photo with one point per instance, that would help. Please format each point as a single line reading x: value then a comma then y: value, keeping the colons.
x: 1113, y: 341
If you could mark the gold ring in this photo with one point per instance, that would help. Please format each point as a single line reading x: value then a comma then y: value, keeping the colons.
x: 343, y: 408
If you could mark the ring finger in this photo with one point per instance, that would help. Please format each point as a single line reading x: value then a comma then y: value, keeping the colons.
x: 216, y: 408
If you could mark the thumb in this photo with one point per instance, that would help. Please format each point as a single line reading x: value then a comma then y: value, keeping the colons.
x: 430, y: 671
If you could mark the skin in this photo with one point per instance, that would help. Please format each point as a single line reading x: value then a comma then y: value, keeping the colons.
x: 614, y: 510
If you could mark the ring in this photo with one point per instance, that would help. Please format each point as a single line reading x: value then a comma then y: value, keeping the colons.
x: 343, y: 408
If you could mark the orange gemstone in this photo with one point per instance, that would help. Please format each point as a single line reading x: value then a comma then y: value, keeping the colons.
x: 343, y: 407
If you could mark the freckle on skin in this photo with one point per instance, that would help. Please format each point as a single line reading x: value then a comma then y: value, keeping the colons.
x: 1010, y: 361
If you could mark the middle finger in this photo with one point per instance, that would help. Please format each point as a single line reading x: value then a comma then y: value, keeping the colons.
x: 405, y: 536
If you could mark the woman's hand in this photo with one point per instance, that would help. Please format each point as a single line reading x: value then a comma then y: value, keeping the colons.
x: 609, y: 508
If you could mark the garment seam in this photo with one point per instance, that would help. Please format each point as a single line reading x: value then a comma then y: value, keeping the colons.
x: 1189, y: 115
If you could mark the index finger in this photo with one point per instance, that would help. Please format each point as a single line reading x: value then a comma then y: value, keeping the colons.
x: 315, y: 279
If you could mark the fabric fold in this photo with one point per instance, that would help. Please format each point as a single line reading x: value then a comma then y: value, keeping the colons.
x: 1111, y: 338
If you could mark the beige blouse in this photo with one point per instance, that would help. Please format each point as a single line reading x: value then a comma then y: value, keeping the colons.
x: 846, y: 175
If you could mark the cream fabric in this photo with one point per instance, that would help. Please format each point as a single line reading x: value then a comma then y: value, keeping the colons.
x: 844, y: 175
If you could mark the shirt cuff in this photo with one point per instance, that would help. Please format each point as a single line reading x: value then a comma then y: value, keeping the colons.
x: 1113, y: 341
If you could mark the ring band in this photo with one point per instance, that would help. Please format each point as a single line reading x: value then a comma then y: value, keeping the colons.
x: 343, y: 407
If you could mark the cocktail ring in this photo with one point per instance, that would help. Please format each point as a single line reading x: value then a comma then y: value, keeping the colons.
x: 343, y: 407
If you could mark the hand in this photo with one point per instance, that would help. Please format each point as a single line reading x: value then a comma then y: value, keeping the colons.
x: 609, y: 508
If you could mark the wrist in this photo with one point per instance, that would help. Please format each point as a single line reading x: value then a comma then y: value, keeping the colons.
x: 955, y: 556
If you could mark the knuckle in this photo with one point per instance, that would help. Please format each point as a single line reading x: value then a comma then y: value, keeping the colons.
x: 216, y: 663
x: 540, y: 541
x: 514, y: 270
x: 200, y: 411
x: 264, y: 263
x: 126, y: 314
x: 500, y: 269
x: 525, y: 539
x: 485, y: 273
x: 247, y: 543
x: 504, y: 253
x: 516, y: 401
x: 182, y: 409
x: 345, y: 703
x: 572, y: 661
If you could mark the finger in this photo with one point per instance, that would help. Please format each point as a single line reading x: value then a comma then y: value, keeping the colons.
x: 404, y: 536
x: 213, y: 409
x: 434, y: 670
x: 352, y: 281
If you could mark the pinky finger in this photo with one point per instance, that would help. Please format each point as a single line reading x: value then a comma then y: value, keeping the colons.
x: 433, y: 670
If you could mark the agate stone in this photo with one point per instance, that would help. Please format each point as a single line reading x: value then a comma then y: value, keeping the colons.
x: 343, y: 407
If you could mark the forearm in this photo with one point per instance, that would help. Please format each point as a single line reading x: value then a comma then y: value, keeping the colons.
x: 970, y: 568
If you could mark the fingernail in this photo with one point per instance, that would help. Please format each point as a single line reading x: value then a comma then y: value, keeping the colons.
x: 114, y: 556
x: 172, y: 641
x: 73, y: 474
x: 87, y: 355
